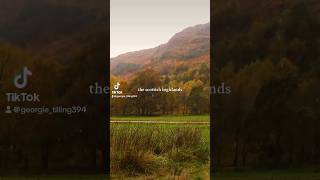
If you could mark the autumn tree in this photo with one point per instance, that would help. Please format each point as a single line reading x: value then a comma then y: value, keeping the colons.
x: 147, y: 102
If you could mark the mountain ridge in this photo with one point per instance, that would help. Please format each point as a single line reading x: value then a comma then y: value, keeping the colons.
x: 187, y: 45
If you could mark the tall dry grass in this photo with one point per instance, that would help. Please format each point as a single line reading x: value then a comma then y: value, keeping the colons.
x: 146, y: 150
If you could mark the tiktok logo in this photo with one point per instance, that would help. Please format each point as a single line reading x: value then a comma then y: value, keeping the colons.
x: 116, y: 89
x: 21, y: 80
x: 117, y: 86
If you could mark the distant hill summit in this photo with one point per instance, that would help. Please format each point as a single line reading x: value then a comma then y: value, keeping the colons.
x: 191, y: 44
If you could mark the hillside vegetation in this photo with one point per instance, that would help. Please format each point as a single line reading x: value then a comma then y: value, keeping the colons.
x: 268, y: 52
x: 183, y: 62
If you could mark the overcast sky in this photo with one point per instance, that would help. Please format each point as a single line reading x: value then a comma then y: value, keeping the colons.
x: 143, y: 24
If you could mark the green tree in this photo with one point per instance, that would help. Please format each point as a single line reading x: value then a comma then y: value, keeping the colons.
x: 147, y: 102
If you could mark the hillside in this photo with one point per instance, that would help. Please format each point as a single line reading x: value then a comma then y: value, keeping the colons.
x: 39, y: 23
x: 10, y: 9
x: 189, y: 47
x: 267, y: 51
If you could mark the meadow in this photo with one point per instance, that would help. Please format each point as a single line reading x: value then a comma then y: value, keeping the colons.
x: 189, y: 118
x: 55, y: 177
x: 249, y: 175
x: 160, y: 151
x: 268, y: 175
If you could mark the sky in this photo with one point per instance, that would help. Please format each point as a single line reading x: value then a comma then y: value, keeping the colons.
x: 144, y: 24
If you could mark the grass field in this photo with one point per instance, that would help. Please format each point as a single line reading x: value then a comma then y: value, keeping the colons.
x: 160, y: 151
x: 249, y: 175
x: 268, y: 175
x: 57, y: 177
x: 191, y: 118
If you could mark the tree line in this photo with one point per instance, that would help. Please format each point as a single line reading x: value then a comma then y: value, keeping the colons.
x: 36, y: 143
x: 193, y: 99
x: 271, y: 118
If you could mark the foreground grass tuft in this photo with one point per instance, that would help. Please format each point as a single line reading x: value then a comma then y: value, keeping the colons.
x: 138, y: 150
